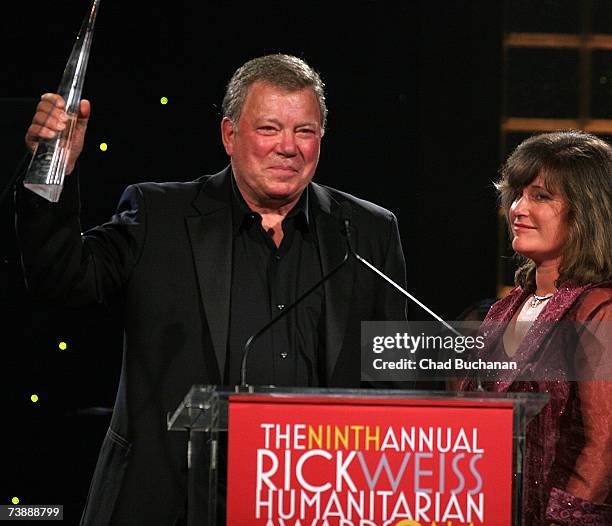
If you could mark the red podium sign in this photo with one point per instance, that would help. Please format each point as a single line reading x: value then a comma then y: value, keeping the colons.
x: 353, y: 462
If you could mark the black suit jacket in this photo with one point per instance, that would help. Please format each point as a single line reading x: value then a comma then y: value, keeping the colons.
x: 167, y: 254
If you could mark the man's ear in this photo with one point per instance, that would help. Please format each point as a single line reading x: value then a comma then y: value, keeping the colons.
x: 227, y: 135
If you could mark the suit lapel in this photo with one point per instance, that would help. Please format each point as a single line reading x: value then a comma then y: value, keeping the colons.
x: 332, y: 248
x: 210, y: 234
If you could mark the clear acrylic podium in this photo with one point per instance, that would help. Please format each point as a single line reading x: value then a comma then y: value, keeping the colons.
x: 203, y: 415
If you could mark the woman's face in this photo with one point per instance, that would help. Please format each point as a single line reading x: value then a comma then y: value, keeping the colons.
x: 538, y: 219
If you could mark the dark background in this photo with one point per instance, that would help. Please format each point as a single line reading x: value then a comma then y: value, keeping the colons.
x: 413, y: 89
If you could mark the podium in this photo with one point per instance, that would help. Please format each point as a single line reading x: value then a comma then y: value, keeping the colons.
x: 366, y: 457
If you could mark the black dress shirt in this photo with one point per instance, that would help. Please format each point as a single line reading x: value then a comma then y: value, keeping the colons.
x: 265, y: 280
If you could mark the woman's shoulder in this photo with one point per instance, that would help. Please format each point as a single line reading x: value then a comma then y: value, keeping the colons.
x: 595, y: 303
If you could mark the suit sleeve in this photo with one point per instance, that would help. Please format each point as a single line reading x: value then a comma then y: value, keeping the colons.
x: 63, y: 264
x: 394, y: 302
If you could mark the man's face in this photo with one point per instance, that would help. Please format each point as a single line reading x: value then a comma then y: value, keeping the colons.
x: 275, y: 148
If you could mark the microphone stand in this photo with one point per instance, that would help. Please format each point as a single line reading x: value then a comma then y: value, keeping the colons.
x: 247, y: 347
x: 366, y: 263
x: 350, y: 252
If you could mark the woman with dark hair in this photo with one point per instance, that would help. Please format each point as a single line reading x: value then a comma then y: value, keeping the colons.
x: 556, y: 191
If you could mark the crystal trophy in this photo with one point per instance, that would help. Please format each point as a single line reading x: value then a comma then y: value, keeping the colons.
x: 45, y: 175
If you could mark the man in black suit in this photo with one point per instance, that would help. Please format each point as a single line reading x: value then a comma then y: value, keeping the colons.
x: 200, y: 266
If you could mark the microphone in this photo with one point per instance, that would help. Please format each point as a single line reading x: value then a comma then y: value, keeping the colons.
x: 371, y: 267
x: 350, y: 251
x: 289, y: 308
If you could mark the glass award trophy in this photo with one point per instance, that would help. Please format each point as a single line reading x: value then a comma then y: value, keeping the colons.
x: 45, y: 175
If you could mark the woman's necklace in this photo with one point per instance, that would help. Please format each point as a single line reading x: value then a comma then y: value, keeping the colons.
x: 529, y: 312
x: 536, y: 300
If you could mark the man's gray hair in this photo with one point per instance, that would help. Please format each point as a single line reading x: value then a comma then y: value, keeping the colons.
x: 284, y: 71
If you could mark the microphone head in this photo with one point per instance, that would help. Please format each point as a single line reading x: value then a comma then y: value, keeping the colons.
x: 345, y: 217
x: 346, y: 210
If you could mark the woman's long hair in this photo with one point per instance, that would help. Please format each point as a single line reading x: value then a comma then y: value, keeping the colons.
x: 577, y: 166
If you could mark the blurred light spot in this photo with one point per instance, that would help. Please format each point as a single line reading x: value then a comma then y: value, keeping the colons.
x: 63, y: 346
x: 164, y: 100
x: 103, y: 146
x: 34, y: 398
x: 15, y: 500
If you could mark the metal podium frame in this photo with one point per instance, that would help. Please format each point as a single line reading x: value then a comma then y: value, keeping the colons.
x: 203, y: 415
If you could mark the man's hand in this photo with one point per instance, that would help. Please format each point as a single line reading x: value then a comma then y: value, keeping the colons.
x: 51, y: 118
